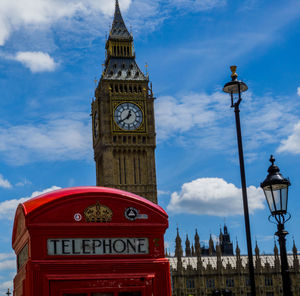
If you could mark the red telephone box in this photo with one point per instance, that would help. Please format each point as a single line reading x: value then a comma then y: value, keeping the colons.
x: 90, y: 241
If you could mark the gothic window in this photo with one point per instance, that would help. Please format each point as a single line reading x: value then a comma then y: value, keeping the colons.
x: 125, y: 88
x: 121, y: 88
x: 268, y: 281
x: 229, y: 282
x: 190, y: 284
x: 119, y: 73
x: 210, y: 283
x: 134, y: 170
x: 247, y: 281
x: 120, y: 171
x: 135, y: 89
x: 125, y: 174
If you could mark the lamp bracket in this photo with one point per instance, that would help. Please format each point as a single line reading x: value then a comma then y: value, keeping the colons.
x: 280, y: 218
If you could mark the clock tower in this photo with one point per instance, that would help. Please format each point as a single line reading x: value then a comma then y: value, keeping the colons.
x: 124, y: 138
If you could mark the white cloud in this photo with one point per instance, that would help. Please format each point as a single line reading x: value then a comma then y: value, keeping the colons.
x: 5, y: 256
x: 265, y: 238
x: 5, y: 285
x: 90, y: 16
x: 298, y: 91
x: 4, y: 183
x: 8, y: 207
x: 215, y: 197
x: 292, y: 143
x: 162, y: 192
x: 24, y: 182
x: 77, y: 15
x: 62, y: 137
x: 207, y: 120
x: 7, y: 264
x: 17, y: 14
x: 36, y: 61
x: 198, y: 4
x: 189, y: 111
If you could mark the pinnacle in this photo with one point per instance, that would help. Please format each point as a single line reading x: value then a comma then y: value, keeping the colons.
x: 119, y: 30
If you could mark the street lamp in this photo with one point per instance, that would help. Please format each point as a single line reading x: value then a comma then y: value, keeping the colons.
x: 276, y: 187
x: 235, y: 87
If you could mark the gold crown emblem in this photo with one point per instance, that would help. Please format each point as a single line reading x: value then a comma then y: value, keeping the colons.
x: 98, y: 213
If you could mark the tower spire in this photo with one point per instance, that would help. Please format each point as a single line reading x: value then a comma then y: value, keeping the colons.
x: 118, y: 30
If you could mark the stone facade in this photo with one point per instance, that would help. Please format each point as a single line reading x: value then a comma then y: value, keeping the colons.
x: 197, y: 274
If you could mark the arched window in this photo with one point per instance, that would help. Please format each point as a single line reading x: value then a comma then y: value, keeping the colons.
x: 190, y: 284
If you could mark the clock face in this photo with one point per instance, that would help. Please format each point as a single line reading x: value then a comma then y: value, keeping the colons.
x: 128, y: 116
x: 96, y: 125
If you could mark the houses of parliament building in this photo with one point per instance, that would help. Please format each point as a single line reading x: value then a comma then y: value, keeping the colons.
x: 210, y: 271
x: 124, y: 142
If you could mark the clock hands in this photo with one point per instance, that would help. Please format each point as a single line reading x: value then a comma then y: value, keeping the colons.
x: 127, y: 117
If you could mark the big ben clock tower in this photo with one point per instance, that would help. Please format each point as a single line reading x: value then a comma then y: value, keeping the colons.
x: 123, y: 119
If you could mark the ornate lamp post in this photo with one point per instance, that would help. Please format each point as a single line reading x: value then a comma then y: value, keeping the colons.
x: 275, y: 187
x: 235, y: 87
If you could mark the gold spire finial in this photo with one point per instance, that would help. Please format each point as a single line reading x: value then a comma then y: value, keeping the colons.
x: 233, y: 70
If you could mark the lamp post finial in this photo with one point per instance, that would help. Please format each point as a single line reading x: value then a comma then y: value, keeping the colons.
x: 233, y: 70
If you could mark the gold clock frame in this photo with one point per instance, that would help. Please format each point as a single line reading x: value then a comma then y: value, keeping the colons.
x: 141, y: 129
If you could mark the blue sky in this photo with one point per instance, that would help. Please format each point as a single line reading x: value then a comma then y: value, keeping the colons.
x: 51, y: 52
